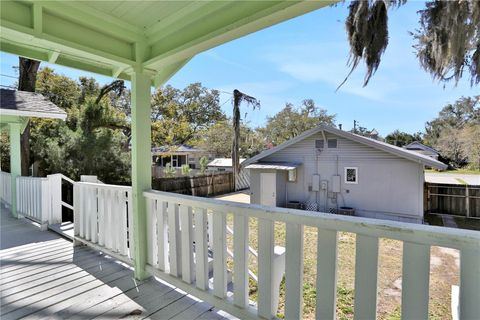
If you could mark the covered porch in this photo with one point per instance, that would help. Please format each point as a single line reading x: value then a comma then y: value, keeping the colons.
x: 187, y: 241
x: 44, y: 276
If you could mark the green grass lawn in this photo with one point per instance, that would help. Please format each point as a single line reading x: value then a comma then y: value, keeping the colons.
x: 389, y: 276
x: 461, y: 171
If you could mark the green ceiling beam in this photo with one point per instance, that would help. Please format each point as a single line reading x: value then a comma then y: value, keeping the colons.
x: 272, y: 15
x: 82, y: 36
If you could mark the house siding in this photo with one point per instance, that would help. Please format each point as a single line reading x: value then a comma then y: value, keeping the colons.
x: 388, y: 186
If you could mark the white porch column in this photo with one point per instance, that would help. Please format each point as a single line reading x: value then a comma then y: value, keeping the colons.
x: 141, y: 166
x: 15, y: 162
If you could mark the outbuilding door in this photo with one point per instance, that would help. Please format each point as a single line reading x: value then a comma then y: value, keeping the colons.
x: 268, y: 189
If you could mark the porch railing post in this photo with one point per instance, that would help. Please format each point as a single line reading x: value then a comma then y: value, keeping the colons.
x: 141, y: 164
x: 15, y: 163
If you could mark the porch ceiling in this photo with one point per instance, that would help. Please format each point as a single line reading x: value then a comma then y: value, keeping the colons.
x: 114, y: 38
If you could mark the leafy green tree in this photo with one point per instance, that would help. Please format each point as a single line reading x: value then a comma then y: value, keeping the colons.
x: 203, y: 164
x: 186, y: 170
x: 400, y: 139
x: 169, y: 171
x: 470, y: 138
x: 90, y: 141
x: 178, y: 115
x: 453, y: 130
x: 291, y: 121
x: 214, y: 140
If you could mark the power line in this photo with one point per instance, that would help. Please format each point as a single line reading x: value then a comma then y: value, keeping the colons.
x: 229, y: 100
x: 8, y: 76
x: 9, y: 87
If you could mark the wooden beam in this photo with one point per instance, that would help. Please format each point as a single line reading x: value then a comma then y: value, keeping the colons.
x: 166, y: 73
x: 262, y: 19
x: 53, y: 56
x: 37, y: 18
x: 195, y: 11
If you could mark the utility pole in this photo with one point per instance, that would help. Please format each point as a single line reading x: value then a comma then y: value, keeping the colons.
x: 354, y: 126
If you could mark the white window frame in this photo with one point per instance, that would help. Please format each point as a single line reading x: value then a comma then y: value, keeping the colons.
x: 356, y: 175
x: 174, y: 161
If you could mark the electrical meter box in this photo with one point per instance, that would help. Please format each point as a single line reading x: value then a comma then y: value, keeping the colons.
x: 336, y: 183
x: 316, y: 182
x: 324, y: 185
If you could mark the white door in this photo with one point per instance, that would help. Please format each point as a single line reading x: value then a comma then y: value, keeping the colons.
x: 268, y: 189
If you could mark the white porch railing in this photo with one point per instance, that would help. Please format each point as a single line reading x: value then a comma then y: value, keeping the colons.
x: 103, y: 219
x: 182, y: 257
x: 40, y: 199
x: 6, y: 187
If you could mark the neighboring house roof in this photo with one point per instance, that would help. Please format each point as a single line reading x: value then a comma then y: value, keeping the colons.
x: 274, y: 165
x: 176, y: 148
x: 400, y: 152
x: 28, y: 104
x: 417, y: 145
x: 223, y: 162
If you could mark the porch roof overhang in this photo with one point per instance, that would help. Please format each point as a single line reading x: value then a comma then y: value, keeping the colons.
x: 274, y: 165
x: 116, y: 38
x: 19, y: 106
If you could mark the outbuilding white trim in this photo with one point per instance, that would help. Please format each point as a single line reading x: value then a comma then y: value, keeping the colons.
x: 400, y: 152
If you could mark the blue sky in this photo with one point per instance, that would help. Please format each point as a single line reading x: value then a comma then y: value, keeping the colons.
x: 306, y: 58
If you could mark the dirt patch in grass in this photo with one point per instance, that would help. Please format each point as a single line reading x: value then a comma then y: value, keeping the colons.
x: 444, y: 274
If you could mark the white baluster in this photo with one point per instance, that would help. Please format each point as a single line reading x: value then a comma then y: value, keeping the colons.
x: 415, y: 281
x: 265, y: 268
x: 366, y: 270
x: 326, y: 274
x: 240, y: 263
x: 219, y: 254
x: 186, y: 242
x: 293, y: 271
x: 201, y: 249
x: 174, y: 240
x: 162, y: 250
x: 469, y: 283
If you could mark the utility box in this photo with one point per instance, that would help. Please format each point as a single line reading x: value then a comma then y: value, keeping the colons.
x: 316, y: 182
x: 324, y: 185
x: 336, y: 183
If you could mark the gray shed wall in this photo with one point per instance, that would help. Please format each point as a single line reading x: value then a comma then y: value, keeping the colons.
x: 388, y: 186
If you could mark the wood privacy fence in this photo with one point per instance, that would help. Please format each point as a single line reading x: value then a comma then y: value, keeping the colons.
x: 201, y: 186
x: 460, y: 200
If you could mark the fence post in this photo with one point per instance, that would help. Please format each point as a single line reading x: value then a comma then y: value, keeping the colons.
x: 55, y: 184
x: 467, y: 201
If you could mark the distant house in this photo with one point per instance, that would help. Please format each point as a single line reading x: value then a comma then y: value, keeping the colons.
x: 222, y: 164
x: 177, y: 156
x: 333, y: 170
x: 422, y: 149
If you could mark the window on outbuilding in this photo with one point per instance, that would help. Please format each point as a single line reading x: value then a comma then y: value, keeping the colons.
x: 351, y: 175
x: 319, y: 144
x: 332, y: 143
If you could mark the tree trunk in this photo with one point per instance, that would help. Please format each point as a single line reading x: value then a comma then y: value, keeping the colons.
x: 26, y: 82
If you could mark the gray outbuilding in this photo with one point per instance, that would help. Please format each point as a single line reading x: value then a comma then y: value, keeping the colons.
x: 331, y: 170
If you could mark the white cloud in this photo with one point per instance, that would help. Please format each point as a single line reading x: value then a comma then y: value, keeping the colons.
x: 311, y: 63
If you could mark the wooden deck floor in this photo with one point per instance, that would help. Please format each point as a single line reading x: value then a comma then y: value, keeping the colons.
x: 44, y: 276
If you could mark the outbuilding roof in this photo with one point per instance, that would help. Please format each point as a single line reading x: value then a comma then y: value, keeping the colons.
x: 223, y: 162
x: 274, y: 165
x: 28, y: 104
x: 418, y: 145
x: 400, y: 152
x: 176, y: 149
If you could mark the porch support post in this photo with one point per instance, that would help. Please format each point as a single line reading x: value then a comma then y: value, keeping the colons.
x: 141, y: 166
x: 15, y: 163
